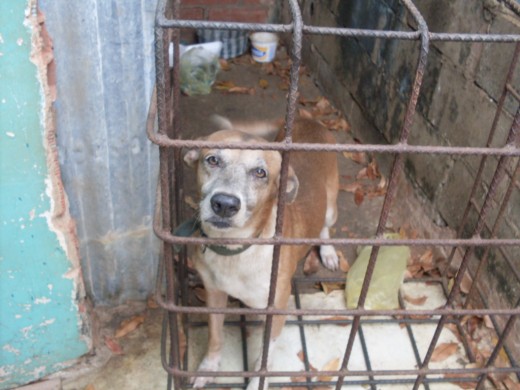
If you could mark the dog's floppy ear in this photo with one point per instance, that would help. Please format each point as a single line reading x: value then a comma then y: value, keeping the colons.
x: 191, y: 157
x: 292, y: 186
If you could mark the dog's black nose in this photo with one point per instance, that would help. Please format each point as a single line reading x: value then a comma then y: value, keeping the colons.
x: 225, y: 205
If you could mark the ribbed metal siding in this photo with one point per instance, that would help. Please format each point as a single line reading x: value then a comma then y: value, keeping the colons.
x: 104, y: 56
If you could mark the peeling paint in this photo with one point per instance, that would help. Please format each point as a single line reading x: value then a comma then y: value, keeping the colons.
x: 11, y: 349
x: 41, y: 324
x: 42, y: 301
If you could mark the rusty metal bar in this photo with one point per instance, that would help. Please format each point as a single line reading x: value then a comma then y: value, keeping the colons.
x: 307, y: 147
x: 289, y: 122
x: 164, y: 106
x: 344, y: 32
x: 491, y: 136
x: 394, y: 175
x: 346, y: 373
x: 512, y: 139
x: 483, y: 262
x: 500, y: 344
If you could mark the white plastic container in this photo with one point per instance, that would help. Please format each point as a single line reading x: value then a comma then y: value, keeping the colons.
x: 263, y: 46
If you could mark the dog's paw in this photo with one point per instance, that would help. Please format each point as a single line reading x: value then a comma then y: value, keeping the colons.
x: 254, y: 382
x: 209, y: 363
x: 329, y: 258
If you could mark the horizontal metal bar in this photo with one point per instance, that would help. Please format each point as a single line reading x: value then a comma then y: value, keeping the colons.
x: 452, y: 242
x: 338, y: 31
x: 170, y: 306
x: 347, y: 373
x: 507, y: 150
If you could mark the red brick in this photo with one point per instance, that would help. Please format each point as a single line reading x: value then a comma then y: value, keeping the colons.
x: 246, y: 15
x: 210, y: 3
x: 266, y: 3
x: 192, y: 13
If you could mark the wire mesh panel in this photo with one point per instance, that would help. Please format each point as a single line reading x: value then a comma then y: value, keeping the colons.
x: 356, y: 330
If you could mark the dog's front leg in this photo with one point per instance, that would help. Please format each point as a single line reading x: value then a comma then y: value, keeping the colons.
x: 282, y: 297
x: 211, y: 361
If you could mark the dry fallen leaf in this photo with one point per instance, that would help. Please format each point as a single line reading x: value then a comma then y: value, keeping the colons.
x: 418, y: 301
x: 312, y: 263
x: 332, y: 365
x: 510, y: 384
x: 224, y: 64
x: 462, y: 385
x: 372, y: 170
x: 344, y: 266
x: 359, y: 196
x: 263, y: 83
x: 242, y: 90
x: 324, y: 107
x: 129, y: 326
x: 357, y: 157
x: 224, y: 85
x: 305, y: 114
x: 444, y: 351
x: 113, y: 346
x: 465, y: 284
x: 351, y: 187
x: 328, y: 287
x: 90, y: 387
x: 337, y: 318
x: 337, y: 124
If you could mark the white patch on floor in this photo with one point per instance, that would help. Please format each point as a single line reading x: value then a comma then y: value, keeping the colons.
x: 388, y: 344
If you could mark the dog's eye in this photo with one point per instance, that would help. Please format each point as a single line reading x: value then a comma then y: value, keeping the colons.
x: 260, y: 173
x: 212, y: 160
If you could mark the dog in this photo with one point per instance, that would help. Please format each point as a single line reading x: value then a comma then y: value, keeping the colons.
x: 238, y: 199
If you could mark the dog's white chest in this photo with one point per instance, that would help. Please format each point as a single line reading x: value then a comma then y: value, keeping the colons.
x: 245, y: 276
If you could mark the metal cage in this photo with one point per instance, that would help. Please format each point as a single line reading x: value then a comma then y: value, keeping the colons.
x: 164, y: 130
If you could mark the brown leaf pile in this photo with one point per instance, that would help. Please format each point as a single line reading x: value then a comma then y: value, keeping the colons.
x: 369, y: 184
x: 423, y: 265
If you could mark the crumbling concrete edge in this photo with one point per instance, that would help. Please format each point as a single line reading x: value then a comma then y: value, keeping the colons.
x: 58, y: 217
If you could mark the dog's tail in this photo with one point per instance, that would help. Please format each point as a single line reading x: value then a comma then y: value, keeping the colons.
x: 265, y: 129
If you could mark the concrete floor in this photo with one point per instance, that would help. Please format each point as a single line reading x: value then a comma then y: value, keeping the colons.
x: 139, y: 365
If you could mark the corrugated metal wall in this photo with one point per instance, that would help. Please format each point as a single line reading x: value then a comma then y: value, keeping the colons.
x: 104, y: 58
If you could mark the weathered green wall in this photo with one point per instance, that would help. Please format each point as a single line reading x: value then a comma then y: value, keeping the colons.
x: 40, y: 325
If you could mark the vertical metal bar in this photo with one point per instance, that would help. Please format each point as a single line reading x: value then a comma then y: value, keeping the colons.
x: 301, y: 327
x: 494, y: 229
x: 411, y: 336
x: 394, y: 175
x: 289, y: 121
x: 243, y: 334
x: 163, y: 100
x: 500, y: 344
x: 484, y: 158
x: 512, y: 140
x: 366, y: 355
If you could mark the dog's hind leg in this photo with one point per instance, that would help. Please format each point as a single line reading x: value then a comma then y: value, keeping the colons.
x: 211, y: 361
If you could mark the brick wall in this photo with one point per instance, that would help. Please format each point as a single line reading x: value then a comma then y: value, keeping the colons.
x: 249, y: 11
x: 370, y: 80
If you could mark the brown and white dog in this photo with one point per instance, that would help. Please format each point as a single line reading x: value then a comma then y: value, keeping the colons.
x: 239, y: 194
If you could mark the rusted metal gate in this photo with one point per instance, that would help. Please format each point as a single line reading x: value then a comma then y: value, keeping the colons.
x: 169, y: 214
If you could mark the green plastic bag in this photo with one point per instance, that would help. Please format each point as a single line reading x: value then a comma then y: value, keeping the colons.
x: 199, y: 68
x: 386, y: 279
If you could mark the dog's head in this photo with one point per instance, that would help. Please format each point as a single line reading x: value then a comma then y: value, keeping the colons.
x: 238, y: 187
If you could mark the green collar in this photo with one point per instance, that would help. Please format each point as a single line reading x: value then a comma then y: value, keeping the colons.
x: 192, y: 225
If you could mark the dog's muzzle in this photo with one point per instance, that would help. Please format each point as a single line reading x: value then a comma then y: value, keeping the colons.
x: 225, y: 205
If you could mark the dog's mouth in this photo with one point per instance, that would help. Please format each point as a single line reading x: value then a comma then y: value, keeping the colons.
x: 218, y: 222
